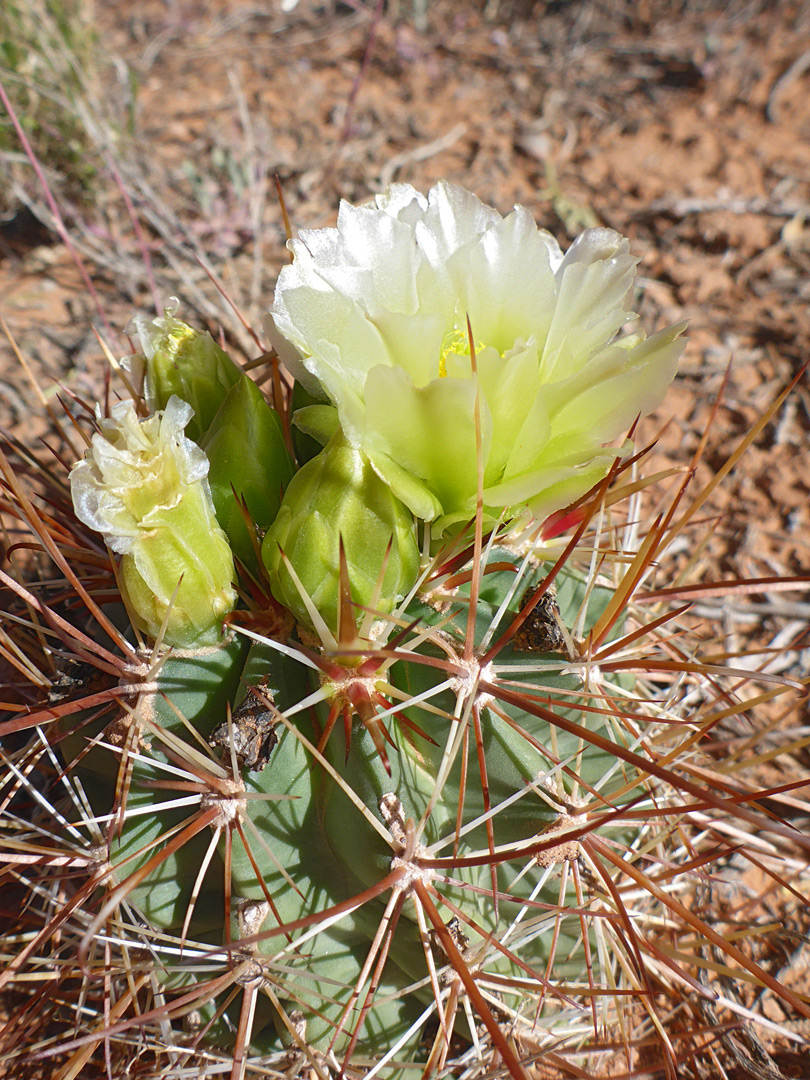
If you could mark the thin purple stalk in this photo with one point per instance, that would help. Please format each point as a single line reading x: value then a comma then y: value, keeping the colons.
x: 60, y: 224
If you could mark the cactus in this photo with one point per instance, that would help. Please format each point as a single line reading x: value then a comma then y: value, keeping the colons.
x: 430, y: 797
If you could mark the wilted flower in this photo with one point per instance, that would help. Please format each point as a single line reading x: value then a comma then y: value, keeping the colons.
x: 377, y: 308
x: 143, y: 486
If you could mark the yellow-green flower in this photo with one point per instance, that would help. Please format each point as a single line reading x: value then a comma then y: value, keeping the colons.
x: 143, y: 485
x: 377, y: 311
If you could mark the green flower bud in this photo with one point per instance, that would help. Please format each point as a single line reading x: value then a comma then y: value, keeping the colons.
x: 246, y: 451
x: 143, y: 486
x: 337, y: 495
x: 187, y: 363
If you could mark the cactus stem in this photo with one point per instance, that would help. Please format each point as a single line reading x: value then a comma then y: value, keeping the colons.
x: 544, y: 818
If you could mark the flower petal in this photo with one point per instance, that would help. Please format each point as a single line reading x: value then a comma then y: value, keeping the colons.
x: 414, y: 493
x: 402, y: 202
x: 414, y: 342
x: 520, y: 424
x: 503, y: 301
x: 319, y: 421
x: 383, y: 247
x: 342, y: 342
x: 429, y: 431
x: 593, y: 284
x: 454, y: 219
x: 606, y: 397
x: 555, y: 484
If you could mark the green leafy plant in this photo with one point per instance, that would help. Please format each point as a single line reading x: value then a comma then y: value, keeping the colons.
x: 386, y: 794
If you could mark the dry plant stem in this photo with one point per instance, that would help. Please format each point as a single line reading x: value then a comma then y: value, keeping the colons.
x: 54, y: 208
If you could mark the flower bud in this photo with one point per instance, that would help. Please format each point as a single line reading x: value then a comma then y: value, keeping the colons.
x: 188, y: 363
x: 246, y: 451
x: 338, y: 496
x: 143, y: 486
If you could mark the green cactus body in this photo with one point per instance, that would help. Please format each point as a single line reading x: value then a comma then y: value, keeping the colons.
x: 357, y: 846
x: 312, y: 846
x: 320, y: 840
x: 197, y: 685
x: 421, y: 857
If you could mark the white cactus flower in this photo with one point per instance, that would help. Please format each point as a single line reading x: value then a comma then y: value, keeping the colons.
x: 142, y: 485
x: 377, y: 311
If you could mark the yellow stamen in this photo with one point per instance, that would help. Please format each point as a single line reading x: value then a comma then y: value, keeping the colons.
x: 455, y: 341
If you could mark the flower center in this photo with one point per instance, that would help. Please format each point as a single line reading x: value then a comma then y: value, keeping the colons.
x: 457, y: 342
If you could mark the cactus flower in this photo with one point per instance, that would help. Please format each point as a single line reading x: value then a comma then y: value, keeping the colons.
x: 377, y: 311
x: 338, y: 496
x: 143, y: 485
x: 186, y: 362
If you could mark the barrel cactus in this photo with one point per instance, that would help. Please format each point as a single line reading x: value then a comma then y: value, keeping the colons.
x: 373, y: 763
